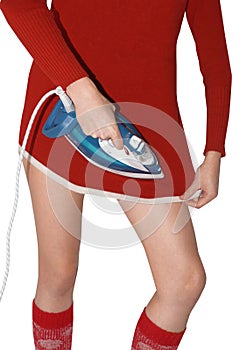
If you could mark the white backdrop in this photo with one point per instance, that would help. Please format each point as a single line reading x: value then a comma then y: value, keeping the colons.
x: 113, y: 286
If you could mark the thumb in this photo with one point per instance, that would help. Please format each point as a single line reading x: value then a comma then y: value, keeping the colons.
x: 190, y: 191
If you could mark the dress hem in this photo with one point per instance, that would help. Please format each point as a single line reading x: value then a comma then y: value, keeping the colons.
x: 87, y: 190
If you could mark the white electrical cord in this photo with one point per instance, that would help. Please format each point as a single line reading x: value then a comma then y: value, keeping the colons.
x: 68, y: 106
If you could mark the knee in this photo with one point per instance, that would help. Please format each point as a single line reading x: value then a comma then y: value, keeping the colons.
x: 193, y: 285
x: 183, y: 286
x: 58, y: 282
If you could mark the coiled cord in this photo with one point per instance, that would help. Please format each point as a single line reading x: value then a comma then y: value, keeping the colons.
x: 67, y: 102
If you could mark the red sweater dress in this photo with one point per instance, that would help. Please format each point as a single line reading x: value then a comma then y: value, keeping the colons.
x: 128, y: 48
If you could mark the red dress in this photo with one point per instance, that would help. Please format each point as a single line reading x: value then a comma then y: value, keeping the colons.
x: 128, y: 48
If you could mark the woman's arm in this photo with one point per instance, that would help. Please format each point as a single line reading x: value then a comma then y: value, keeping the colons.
x: 36, y: 28
x: 206, y: 24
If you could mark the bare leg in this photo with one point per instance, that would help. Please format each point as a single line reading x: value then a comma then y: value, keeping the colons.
x: 176, y: 267
x: 58, y: 249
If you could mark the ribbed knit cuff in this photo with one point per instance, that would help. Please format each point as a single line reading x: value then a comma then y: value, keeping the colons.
x: 51, y: 320
x: 157, y: 334
x: 218, y: 106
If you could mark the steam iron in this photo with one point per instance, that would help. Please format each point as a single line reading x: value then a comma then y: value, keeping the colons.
x: 136, y: 159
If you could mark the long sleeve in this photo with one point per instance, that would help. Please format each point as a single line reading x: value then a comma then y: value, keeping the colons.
x: 206, y: 24
x: 36, y: 28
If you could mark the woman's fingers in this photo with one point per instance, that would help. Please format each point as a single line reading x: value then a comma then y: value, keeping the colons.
x: 203, y: 199
x: 195, y: 186
x: 112, y: 133
x: 101, y: 122
x: 206, y: 179
x: 116, y: 137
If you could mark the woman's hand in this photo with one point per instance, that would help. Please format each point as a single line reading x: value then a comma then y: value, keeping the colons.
x: 94, y: 112
x: 206, y: 180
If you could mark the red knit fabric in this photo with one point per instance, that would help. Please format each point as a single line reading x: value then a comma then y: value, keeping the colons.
x: 52, y: 330
x: 205, y: 21
x: 128, y: 48
x: 36, y: 28
x: 149, y: 336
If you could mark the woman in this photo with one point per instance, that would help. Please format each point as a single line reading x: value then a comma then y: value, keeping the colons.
x: 120, y: 51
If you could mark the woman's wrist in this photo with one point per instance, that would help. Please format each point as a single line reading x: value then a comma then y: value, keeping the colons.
x: 212, y: 156
x: 81, y: 87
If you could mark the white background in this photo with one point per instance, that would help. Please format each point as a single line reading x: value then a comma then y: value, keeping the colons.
x: 113, y: 286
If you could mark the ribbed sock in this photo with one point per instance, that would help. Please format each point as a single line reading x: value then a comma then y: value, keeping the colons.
x: 51, y: 330
x: 149, y: 336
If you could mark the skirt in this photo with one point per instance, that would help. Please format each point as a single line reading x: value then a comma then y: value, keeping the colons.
x: 60, y: 161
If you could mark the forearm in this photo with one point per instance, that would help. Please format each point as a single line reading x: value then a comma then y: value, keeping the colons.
x: 206, y: 23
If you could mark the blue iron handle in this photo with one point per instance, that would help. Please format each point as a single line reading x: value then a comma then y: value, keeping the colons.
x: 60, y: 123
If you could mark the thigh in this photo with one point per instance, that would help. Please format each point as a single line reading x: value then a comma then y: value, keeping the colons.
x: 57, y: 215
x: 167, y: 235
